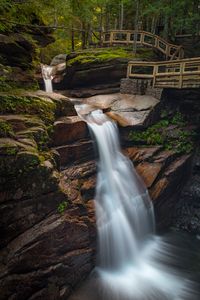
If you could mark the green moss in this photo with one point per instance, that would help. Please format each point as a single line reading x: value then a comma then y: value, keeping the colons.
x: 39, y: 134
x: 6, y: 129
x: 107, y: 54
x: 172, y: 133
x: 27, y: 160
x: 10, y: 151
x: 62, y: 207
x: 18, y: 104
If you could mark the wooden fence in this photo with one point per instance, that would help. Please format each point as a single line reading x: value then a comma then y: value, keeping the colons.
x: 126, y: 37
x: 184, y: 73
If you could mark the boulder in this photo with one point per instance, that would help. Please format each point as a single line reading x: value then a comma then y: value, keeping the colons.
x: 103, y: 102
x: 129, y: 103
x: 127, y: 110
x: 59, y: 59
x: 126, y: 119
x: 89, y: 74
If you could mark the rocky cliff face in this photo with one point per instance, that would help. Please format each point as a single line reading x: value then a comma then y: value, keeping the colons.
x: 44, y: 249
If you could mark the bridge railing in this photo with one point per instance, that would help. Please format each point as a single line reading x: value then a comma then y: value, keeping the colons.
x: 145, y: 38
x: 184, y: 73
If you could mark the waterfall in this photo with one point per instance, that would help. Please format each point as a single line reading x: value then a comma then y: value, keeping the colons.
x: 130, y: 255
x: 122, y: 200
x: 47, y: 77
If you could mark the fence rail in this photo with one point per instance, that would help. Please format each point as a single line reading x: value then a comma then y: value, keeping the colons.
x: 184, y: 73
x: 145, y: 38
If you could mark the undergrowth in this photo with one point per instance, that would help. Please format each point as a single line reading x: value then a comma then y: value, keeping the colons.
x: 171, y: 133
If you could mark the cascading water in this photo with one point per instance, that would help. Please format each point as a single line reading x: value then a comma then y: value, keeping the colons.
x: 121, y: 199
x: 130, y: 258
x: 47, y: 77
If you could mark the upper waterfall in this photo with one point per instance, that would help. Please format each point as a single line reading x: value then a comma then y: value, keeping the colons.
x: 47, y: 77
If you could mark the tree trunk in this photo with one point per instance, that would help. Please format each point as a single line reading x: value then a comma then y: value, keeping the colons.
x: 121, y: 16
x: 166, y: 27
x: 83, y: 36
x: 72, y: 39
x: 136, y: 27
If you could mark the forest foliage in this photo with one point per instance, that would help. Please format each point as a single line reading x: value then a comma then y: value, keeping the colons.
x: 79, y: 23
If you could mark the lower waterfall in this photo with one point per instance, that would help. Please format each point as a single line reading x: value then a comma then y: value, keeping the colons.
x: 132, y: 263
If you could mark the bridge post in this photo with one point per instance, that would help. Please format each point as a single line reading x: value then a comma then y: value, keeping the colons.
x: 142, y: 38
x: 182, y: 68
x: 128, y: 38
x: 168, y: 49
x: 111, y: 38
x: 156, y: 42
x: 155, y: 70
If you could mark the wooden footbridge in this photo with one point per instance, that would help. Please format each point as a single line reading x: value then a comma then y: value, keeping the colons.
x: 183, y: 73
x: 175, y: 72
x: 143, y: 38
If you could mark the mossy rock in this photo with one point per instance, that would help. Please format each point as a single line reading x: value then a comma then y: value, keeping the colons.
x: 6, y: 129
x: 39, y: 134
x: 23, y: 167
x: 27, y: 159
x: 100, y: 66
x: 19, y: 104
x: 9, y: 147
x: 102, y: 55
x: 20, y: 122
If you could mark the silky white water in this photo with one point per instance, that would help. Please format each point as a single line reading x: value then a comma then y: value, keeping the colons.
x: 47, y: 77
x: 130, y: 256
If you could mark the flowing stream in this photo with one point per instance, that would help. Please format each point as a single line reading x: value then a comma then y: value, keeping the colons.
x: 47, y: 77
x: 133, y: 263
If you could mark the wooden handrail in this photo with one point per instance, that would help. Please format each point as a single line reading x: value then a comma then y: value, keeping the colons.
x: 184, y: 73
x: 170, y: 51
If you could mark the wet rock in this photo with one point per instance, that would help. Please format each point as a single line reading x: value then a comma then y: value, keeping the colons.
x: 127, y: 110
x: 68, y: 129
x: 103, y: 101
x: 54, y: 265
x: 129, y: 103
x: 126, y: 119
x: 80, y: 171
x: 19, y: 215
x: 88, y: 188
x: 76, y: 152
x: 149, y: 172
x: 138, y: 154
